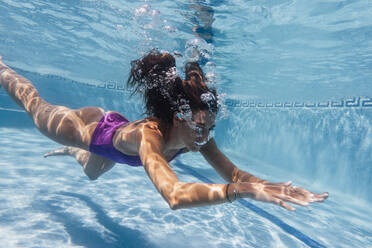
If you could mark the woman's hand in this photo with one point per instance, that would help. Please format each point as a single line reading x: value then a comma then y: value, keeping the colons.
x: 278, y: 193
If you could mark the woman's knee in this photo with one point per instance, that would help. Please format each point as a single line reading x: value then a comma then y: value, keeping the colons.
x: 92, y: 175
x: 96, y: 166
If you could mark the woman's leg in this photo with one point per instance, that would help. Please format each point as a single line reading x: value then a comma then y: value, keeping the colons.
x: 72, y: 128
x: 93, y: 165
x: 61, y: 124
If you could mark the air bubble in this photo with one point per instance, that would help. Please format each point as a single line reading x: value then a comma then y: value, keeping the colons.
x: 223, y: 113
x: 207, y: 97
x: 192, y: 54
x: 210, y: 72
x: 170, y: 28
x: 143, y: 10
x: 155, y: 12
x: 209, y: 67
x: 201, y: 47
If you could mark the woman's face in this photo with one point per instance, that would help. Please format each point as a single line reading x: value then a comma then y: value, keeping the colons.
x: 197, y: 129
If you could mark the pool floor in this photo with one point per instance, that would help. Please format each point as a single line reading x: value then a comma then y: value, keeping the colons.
x: 49, y: 202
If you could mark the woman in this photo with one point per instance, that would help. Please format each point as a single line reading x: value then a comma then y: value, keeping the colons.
x: 181, y: 115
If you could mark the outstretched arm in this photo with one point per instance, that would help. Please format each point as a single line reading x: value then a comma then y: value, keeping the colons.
x: 184, y: 195
x: 247, y: 185
x: 177, y: 194
x: 224, y: 166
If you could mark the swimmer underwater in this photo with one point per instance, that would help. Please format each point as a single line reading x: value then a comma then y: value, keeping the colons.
x: 181, y: 117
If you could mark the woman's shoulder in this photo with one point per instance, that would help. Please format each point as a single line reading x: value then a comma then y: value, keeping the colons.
x: 129, y: 135
x: 148, y: 122
x: 144, y: 126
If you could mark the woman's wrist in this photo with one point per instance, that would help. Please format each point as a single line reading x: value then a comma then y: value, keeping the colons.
x: 232, y: 192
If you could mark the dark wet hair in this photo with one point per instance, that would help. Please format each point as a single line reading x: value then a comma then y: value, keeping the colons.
x: 164, y: 92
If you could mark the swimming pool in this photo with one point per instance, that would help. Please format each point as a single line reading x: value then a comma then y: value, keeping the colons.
x: 296, y: 81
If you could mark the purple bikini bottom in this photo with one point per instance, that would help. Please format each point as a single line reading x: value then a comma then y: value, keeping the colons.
x: 101, y: 143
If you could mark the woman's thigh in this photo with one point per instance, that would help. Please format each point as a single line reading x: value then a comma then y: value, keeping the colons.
x: 67, y: 126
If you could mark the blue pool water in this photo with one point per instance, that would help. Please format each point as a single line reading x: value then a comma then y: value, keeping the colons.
x: 295, y: 77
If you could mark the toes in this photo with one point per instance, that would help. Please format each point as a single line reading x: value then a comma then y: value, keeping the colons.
x: 52, y: 153
x: 60, y: 151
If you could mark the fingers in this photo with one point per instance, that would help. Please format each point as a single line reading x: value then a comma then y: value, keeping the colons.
x: 291, y: 199
x: 318, y: 197
x: 299, y: 200
x: 283, y: 204
x: 283, y: 193
x: 293, y: 194
x: 306, y: 196
x: 289, y: 183
x: 290, y: 193
x: 280, y: 200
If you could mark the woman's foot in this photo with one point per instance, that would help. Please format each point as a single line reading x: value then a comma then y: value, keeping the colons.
x: 2, y: 65
x: 60, y: 151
